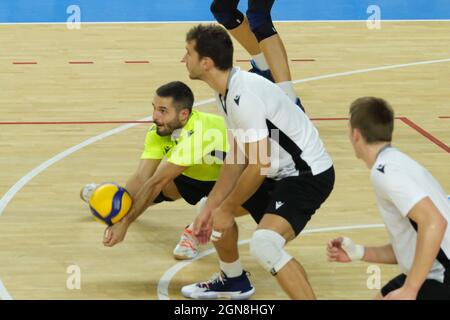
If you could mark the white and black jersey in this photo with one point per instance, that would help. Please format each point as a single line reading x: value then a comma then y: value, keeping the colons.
x: 255, y: 108
x: 400, y: 183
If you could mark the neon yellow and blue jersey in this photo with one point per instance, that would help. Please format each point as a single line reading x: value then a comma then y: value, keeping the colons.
x: 200, y: 145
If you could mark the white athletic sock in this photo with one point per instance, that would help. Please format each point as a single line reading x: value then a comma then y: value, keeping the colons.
x: 233, y: 269
x: 261, y: 62
x: 288, y: 88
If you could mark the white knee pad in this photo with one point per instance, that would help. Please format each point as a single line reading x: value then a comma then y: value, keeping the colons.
x: 267, y: 247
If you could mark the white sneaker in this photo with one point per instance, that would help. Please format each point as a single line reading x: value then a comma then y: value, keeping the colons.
x: 87, y: 191
x: 187, y: 247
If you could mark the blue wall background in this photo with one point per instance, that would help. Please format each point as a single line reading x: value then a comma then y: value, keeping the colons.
x: 20, y: 11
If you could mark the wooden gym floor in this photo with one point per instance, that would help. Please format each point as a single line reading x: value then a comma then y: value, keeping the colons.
x: 45, y: 228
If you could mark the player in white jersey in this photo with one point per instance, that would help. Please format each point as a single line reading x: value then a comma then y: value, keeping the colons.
x: 277, y: 170
x: 413, y: 205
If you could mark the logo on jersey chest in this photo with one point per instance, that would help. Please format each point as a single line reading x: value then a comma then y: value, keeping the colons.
x: 237, y: 98
x: 189, y: 133
x: 381, y: 168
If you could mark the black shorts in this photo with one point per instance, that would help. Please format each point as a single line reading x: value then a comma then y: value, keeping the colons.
x: 430, y: 290
x: 293, y: 198
x: 191, y: 190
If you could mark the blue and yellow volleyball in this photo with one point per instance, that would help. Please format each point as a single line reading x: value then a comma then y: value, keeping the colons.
x: 110, y: 203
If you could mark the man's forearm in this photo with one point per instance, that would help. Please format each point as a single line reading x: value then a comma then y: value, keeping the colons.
x: 228, y: 177
x: 143, y: 199
x: 429, y: 239
x: 248, y: 183
x: 384, y: 254
x: 133, y: 185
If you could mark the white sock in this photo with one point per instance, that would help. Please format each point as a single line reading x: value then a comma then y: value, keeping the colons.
x: 233, y: 269
x: 261, y: 62
x: 288, y: 88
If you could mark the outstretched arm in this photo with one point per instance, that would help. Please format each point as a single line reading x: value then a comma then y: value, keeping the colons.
x: 343, y: 249
x: 258, y: 156
x: 230, y: 172
x: 165, y: 173
x: 145, y: 171
x: 382, y: 254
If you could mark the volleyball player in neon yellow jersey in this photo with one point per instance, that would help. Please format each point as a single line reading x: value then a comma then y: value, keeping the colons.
x: 183, y: 154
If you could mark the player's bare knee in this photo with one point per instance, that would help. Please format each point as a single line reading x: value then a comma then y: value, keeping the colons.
x: 267, y: 247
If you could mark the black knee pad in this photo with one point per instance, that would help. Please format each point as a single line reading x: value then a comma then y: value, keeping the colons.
x: 260, y: 20
x: 227, y: 14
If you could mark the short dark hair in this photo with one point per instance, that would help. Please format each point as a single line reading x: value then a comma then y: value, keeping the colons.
x: 212, y: 41
x: 182, y: 95
x: 374, y: 117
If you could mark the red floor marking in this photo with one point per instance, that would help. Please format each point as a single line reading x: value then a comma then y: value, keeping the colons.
x: 124, y: 121
x: 327, y: 119
x: 112, y: 122
x: 302, y: 60
x: 81, y: 62
x: 426, y: 134
x: 403, y: 119
x: 29, y: 62
x: 143, y: 61
x: 339, y: 118
x: 293, y: 60
x: 71, y: 122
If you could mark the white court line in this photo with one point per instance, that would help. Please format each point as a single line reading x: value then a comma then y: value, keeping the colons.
x: 4, y: 201
x: 214, y: 21
x: 348, y: 73
x: 4, y: 295
x: 164, y: 281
